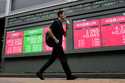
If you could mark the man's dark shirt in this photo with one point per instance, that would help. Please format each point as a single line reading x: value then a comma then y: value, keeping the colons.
x: 57, y: 30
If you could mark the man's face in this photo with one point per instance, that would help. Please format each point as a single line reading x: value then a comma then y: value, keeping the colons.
x: 62, y: 16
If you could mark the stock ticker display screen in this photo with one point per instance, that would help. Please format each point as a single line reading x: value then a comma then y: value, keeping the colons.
x: 101, y: 32
x: 93, y: 33
x: 14, y: 42
x: 33, y: 40
x: 28, y: 41
x: 86, y: 34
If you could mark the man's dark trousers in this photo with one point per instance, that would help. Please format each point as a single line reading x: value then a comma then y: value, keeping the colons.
x: 57, y: 53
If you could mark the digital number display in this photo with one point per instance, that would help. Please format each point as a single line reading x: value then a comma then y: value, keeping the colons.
x: 113, y: 31
x: 86, y: 34
x: 94, y: 33
x: 99, y: 32
x: 33, y: 40
x: 14, y: 43
x: 28, y: 41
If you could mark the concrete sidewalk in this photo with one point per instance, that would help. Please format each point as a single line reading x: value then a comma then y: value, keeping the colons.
x: 58, y: 80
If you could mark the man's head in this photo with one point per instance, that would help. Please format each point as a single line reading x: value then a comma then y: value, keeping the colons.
x: 60, y: 14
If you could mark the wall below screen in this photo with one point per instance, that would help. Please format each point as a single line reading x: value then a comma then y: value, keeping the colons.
x: 79, y: 63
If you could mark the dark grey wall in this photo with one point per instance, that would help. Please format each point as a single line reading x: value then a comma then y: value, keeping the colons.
x: 101, y: 63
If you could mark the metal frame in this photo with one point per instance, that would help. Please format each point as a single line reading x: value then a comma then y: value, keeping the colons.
x: 8, y: 6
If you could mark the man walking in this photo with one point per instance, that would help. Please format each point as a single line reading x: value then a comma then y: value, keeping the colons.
x: 56, y: 31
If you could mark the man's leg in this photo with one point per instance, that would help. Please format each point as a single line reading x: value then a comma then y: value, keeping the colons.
x: 63, y: 61
x: 50, y: 61
x: 65, y: 65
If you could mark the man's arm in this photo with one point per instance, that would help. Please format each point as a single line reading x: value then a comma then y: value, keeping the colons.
x: 52, y: 35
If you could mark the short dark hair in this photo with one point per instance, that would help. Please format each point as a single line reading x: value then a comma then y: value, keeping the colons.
x: 60, y: 12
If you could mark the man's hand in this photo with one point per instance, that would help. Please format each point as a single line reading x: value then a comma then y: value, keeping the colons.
x: 67, y: 21
x: 57, y: 41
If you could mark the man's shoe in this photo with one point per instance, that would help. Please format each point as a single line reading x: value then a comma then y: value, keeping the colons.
x: 39, y: 75
x: 72, y: 77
